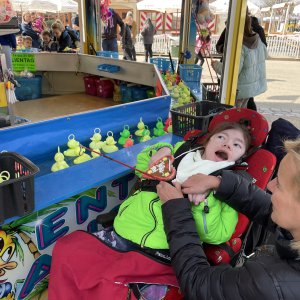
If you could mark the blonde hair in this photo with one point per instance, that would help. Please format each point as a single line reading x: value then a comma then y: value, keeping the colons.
x: 24, y: 14
x: 293, y: 147
x: 27, y: 38
x: 58, y: 25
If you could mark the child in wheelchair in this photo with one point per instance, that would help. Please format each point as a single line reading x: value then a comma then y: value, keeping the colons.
x: 139, y: 221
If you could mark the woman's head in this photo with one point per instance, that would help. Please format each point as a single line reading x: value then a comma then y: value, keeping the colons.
x: 57, y: 28
x: 27, y: 17
x: 227, y: 141
x: 285, y: 190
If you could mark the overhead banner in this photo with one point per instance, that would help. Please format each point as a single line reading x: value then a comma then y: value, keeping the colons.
x: 23, y: 61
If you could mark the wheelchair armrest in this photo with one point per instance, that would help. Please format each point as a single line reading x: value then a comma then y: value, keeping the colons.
x: 107, y: 219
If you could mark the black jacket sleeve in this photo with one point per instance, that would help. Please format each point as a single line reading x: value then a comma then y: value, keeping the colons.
x: 199, y: 280
x: 246, y: 198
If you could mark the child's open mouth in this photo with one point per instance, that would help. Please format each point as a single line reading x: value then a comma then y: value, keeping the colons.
x: 222, y: 155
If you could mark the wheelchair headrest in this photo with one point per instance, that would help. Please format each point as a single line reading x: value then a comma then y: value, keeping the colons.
x: 257, y: 124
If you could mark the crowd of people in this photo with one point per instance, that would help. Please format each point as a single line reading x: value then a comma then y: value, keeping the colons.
x: 35, y: 36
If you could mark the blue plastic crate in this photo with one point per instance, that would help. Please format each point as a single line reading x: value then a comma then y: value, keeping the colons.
x: 110, y: 54
x: 109, y: 68
x: 31, y: 88
x: 163, y: 63
x: 190, y: 73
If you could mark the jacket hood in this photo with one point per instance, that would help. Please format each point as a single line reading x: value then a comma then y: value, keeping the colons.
x: 283, y: 245
x: 251, y: 42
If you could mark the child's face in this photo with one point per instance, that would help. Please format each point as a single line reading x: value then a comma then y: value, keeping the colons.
x: 46, y: 38
x: 19, y: 41
x: 27, y: 18
x: 27, y: 43
x: 226, y: 145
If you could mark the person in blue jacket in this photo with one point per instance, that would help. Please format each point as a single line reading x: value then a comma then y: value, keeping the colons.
x: 27, y: 29
x: 8, y: 43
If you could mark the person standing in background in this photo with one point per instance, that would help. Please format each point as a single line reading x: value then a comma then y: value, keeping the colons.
x: 256, y: 28
x: 75, y: 25
x: 148, y: 33
x: 8, y: 44
x: 133, y: 28
x: 109, y: 37
x: 127, y: 44
x: 252, y: 71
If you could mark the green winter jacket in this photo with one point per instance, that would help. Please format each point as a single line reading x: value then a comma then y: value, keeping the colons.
x: 140, y: 217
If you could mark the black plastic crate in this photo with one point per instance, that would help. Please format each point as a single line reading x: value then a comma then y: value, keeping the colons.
x: 211, y: 91
x: 195, y: 116
x: 16, y: 193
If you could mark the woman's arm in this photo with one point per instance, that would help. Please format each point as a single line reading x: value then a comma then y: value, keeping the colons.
x: 237, y: 191
x: 199, y: 280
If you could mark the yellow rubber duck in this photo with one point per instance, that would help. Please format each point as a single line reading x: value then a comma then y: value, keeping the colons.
x: 96, y: 140
x: 82, y: 157
x: 4, y: 175
x: 60, y: 163
x: 146, y: 135
x: 73, y: 146
x: 109, y: 145
x: 141, y: 127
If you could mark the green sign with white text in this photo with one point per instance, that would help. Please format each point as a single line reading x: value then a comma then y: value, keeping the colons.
x: 23, y: 61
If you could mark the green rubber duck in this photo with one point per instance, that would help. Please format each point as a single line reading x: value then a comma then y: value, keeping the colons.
x: 124, y: 135
x: 73, y: 146
x: 145, y: 135
x: 109, y: 145
x: 141, y: 127
x: 82, y: 157
x: 60, y: 163
x: 159, y: 129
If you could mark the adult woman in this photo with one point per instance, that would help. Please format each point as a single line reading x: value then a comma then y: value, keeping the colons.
x: 27, y: 29
x: 272, y: 276
x: 252, y: 74
x: 148, y: 32
x: 62, y: 36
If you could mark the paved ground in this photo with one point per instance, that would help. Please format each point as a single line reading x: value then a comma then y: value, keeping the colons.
x: 282, y: 99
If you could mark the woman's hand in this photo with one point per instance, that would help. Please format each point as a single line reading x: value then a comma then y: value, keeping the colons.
x: 167, y: 191
x: 200, y: 184
x: 197, y: 198
x: 165, y: 151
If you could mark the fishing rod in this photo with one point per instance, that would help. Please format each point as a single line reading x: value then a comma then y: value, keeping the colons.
x: 122, y: 163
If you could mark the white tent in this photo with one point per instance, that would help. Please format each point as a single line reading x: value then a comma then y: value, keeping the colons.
x: 296, y: 10
x: 219, y: 7
x: 160, y: 5
x: 45, y: 5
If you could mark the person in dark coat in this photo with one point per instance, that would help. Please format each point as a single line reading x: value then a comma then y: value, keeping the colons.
x: 148, y: 33
x: 109, y: 36
x: 62, y: 36
x: 8, y: 44
x: 27, y: 30
x: 127, y: 42
x: 269, y: 276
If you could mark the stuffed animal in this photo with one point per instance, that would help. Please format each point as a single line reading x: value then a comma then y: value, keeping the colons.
x: 203, y: 12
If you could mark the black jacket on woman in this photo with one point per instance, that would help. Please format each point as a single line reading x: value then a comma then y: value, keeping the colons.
x: 27, y: 30
x: 263, y: 277
x: 64, y: 41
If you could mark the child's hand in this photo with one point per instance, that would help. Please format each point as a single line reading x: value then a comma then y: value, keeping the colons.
x: 165, y: 151
x: 197, y: 198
